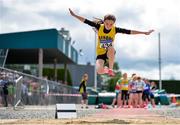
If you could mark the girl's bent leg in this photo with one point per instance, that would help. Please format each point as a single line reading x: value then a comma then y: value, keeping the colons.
x: 111, y: 56
x: 100, y: 66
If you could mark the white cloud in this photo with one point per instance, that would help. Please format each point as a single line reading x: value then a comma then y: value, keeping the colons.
x: 167, y: 72
x: 133, y: 51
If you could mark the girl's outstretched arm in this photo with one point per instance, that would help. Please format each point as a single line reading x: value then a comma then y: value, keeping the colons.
x: 140, y: 32
x: 82, y: 19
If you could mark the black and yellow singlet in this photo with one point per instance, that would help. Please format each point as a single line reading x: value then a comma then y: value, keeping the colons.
x: 105, y: 40
x: 82, y: 86
x: 105, y: 37
x: 124, y: 84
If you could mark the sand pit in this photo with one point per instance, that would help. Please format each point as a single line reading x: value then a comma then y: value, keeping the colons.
x: 93, y: 116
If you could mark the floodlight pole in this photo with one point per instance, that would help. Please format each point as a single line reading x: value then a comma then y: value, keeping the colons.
x: 40, y: 66
x: 95, y: 73
x: 159, y: 46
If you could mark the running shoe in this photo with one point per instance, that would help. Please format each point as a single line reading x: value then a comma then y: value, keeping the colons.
x: 111, y: 73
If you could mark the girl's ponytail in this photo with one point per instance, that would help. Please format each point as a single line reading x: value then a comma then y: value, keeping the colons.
x: 98, y: 20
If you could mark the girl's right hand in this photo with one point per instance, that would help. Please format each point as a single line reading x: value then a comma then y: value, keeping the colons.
x: 149, y: 32
x: 71, y: 12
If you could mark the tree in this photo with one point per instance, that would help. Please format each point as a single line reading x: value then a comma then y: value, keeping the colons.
x: 49, y: 72
x: 112, y: 81
x: 116, y: 66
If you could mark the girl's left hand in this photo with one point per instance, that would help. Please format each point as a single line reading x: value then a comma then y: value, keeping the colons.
x: 71, y: 12
x: 149, y: 32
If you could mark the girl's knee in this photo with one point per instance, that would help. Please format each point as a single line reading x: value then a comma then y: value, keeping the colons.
x: 111, y: 50
x: 100, y: 71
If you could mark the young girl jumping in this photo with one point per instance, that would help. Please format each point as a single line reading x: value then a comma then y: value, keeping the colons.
x: 106, y: 31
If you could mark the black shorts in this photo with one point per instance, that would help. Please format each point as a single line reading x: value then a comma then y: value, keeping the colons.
x: 124, y: 95
x: 139, y: 91
x: 84, y: 96
x: 103, y: 57
x: 152, y: 95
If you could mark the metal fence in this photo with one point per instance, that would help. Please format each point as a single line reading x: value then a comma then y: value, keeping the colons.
x: 17, y: 93
x: 3, y: 56
x: 31, y: 90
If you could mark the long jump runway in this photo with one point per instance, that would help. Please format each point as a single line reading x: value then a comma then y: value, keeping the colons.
x: 92, y: 116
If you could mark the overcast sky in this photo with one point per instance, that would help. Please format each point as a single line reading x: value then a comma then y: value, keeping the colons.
x: 134, y: 53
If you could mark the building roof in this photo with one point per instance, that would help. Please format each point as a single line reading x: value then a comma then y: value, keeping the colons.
x: 23, y: 47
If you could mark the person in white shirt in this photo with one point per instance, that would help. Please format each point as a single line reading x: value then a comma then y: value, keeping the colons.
x: 133, y: 97
x: 140, y: 87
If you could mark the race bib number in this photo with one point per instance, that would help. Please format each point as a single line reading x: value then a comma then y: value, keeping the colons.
x: 133, y: 85
x: 105, y: 44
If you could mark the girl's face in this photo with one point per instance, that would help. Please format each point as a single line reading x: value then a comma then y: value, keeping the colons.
x: 153, y: 83
x: 134, y: 78
x: 139, y: 78
x: 108, y: 24
x: 125, y: 75
x: 85, y: 77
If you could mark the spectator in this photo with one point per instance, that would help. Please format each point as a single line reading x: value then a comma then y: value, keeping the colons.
x: 11, y: 92
x: 153, y: 88
x: 133, y: 97
x: 146, y: 93
x: 118, y: 94
x: 124, y: 90
x: 24, y: 93
x: 5, y: 94
x: 140, y: 87
x: 1, y: 95
x: 82, y: 90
